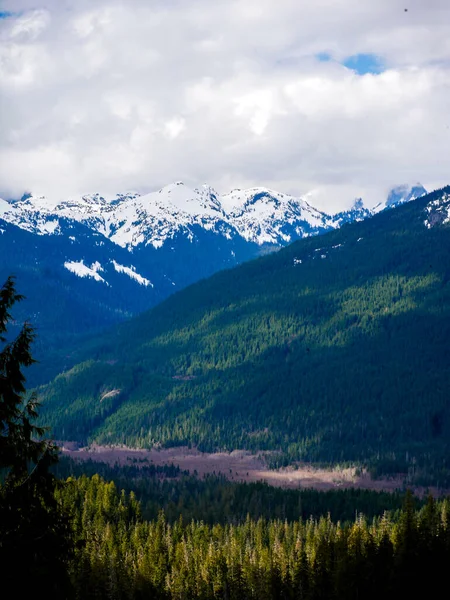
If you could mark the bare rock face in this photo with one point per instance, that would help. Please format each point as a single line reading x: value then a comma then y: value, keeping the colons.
x: 438, y: 211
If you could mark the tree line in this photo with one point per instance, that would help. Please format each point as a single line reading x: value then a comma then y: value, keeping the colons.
x: 215, y: 499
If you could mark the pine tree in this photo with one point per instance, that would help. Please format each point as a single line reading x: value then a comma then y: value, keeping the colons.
x: 34, y: 534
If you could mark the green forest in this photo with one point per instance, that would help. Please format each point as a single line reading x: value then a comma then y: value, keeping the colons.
x: 120, y: 555
x: 215, y: 499
x: 332, y: 350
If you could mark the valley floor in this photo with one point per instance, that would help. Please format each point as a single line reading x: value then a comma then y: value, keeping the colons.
x: 239, y: 466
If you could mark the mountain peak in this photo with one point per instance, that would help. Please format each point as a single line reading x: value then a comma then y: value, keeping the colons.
x: 208, y: 189
x: 358, y: 204
x: 400, y: 194
x: 404, y: 193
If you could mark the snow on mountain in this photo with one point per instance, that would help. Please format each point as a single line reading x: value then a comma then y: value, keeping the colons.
x: 5, y: 207
x: 257, y: 215
x: 438, y: 211
x: 399, y: 195
x: 31, y: 215
x: 358, y: 212
x: 131, y: 272
x: 264, y: 216
x: 158, y: 216
x: 82, y: 270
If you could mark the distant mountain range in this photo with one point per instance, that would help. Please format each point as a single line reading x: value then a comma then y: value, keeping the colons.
x: 333, y: 349
x: 257, y: 215
x: 85, y: 263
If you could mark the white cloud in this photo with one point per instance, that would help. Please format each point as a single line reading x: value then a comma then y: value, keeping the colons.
x: 30, y: 25
x: 118, y: 95
x: 174, y: 127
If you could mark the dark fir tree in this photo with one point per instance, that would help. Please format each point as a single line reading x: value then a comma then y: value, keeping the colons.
x: 34, y: 534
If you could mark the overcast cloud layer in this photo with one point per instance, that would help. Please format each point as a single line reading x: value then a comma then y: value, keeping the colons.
x: 117, y: 95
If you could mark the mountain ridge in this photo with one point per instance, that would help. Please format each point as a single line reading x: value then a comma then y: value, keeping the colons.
x: 87, y: 263
x: 259, y: 215
x: 310, y: 351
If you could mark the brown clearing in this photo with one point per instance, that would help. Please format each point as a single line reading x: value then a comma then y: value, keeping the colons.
x: 110, y: 394
x: 240, y: 466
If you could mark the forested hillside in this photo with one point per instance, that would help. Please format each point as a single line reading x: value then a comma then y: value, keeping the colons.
x: 87, y: 263
x: 78, y: 283
x: 333, y: 349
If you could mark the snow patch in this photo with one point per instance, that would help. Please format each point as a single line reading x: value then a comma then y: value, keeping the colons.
x: 438, y: 212
x: 48, y: 227
x: 131, y: 272
x: 5, y: 207
x: 82, y: 270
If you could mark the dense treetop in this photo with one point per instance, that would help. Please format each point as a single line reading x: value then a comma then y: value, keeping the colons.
x: 121, y: 556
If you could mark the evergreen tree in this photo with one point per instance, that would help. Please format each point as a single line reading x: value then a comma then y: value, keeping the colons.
x: 34, y: 534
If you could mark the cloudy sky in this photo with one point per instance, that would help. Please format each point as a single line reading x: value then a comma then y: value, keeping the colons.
x: 344, y: 97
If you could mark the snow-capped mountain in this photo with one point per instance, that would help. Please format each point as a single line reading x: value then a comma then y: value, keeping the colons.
x: 91, y: 261
x: 263, y: 216
x: 358, y: 212
x: 256, y: 215
x: 399, y: 195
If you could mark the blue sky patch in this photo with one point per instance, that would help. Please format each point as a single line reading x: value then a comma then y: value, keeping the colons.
x: 364, y: 63
x: 5, y: 14
x: 323, y: 56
